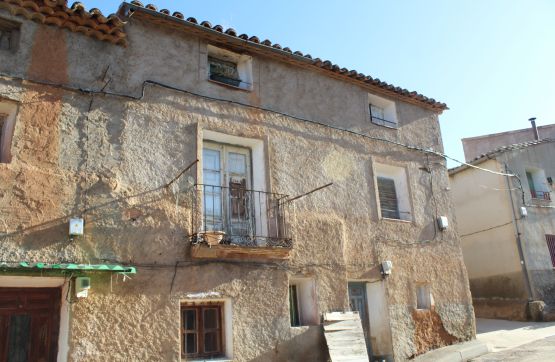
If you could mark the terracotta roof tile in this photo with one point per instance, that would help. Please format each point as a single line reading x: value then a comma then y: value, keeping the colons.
x: 75, y: 18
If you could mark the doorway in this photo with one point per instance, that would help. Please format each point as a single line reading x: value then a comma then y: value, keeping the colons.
x: 359, y: 303
x: 29, y: 324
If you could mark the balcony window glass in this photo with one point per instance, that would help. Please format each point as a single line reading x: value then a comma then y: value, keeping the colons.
x: 228, y: 205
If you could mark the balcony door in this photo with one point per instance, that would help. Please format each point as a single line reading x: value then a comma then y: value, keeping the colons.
x: 227, y: 201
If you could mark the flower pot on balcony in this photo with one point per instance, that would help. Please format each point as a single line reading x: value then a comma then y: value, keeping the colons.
x: 213, y: 237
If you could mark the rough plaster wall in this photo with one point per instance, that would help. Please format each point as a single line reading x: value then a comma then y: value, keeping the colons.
x: 107, y: 157
x: 540, y: 220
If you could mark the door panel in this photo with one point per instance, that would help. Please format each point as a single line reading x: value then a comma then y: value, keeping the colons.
x: 359, y: 303
x: 29, y: 324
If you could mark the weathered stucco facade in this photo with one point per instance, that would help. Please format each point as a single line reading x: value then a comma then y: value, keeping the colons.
x: 505, y: 248
x: 102, y: 128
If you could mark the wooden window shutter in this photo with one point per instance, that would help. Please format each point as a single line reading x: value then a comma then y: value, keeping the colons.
x: 388, y: 198
x: 551, y: 246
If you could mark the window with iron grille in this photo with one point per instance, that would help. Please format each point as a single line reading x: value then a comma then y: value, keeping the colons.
x: 538, y: 184
x: 201, y: 330
x: 223, y: 71
x: 382, y: 111
x: 229, y: 68
x: 9, y: 34
x: 550, y: 239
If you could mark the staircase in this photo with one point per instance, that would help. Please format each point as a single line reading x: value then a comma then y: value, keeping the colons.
x: 345, y: 337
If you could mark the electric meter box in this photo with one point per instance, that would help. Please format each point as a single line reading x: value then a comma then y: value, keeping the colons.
x: 76, y: 227
x: 442, y: 222
x: 82, y: 286
x: 387, y: 266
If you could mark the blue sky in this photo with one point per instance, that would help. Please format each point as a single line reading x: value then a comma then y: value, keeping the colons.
x: 492, y: 62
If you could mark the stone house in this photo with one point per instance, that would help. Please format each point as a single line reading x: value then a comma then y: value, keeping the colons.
x: 132, y: 142
x: 507, y: 223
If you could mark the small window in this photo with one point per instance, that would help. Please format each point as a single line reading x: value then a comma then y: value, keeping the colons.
x: 8, y: 112
x: 201, y: 330
x: 9, y: 35
x: 550, y: 239
x: 302, y: 302
x: 423, y: 297
x: 538, y: 184
x: 229, y: 68
x: 392, y: 192
x: 382, y: 111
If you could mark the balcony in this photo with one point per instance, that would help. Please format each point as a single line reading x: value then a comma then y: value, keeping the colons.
x: 237, y: 223
x: 541, y: 195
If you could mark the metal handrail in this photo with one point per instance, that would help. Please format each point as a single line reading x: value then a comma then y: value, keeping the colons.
x: 541, y: 195
x: 383, y: 122
x: 246, y: 217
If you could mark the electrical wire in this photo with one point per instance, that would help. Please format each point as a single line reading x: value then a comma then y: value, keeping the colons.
x: 166, y: 86
x: 488, y: 229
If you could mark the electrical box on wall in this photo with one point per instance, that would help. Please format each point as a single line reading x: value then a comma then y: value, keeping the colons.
x: 76, y: 227
x: 442, y: 222
x: 82, y: 286
x: 387, y: 266
x: 523, y: 211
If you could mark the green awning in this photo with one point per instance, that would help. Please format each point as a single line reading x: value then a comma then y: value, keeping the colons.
x: 111, y: 268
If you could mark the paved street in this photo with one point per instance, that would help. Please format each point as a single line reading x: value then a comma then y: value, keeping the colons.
x: 516, y: 341
x: 538, y: 351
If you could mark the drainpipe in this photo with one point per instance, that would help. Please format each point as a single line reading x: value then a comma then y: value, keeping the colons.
x: 518, y: 239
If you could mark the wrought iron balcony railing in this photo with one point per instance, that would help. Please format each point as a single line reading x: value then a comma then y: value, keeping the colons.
x: 241, y: 217
x: 541, y: 195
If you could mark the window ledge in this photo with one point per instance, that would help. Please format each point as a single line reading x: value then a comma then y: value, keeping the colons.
x: 396, y: 127
x: 229, y: 85
x: 202, y: 251
x: 396, y: 220
x: 218, y: 359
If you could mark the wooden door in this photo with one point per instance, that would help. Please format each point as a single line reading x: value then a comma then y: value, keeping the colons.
x: 29, y: 324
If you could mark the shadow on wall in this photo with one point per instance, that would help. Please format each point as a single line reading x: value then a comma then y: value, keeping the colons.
x: 128, y: 210
x: 310, y: 345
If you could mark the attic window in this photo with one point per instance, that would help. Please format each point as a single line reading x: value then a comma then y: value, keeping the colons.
x: 229, y: 68
x: 224, y: 72
x: 9, y: 35
x: 382, y: 111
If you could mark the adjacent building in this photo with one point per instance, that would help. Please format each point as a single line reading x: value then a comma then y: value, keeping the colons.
x: 506, y: 220
x: 173, y: 190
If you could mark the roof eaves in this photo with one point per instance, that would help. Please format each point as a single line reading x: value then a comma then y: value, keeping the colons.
x: 75, y: 18
x: 493, y: 153
x: 284, y: 53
